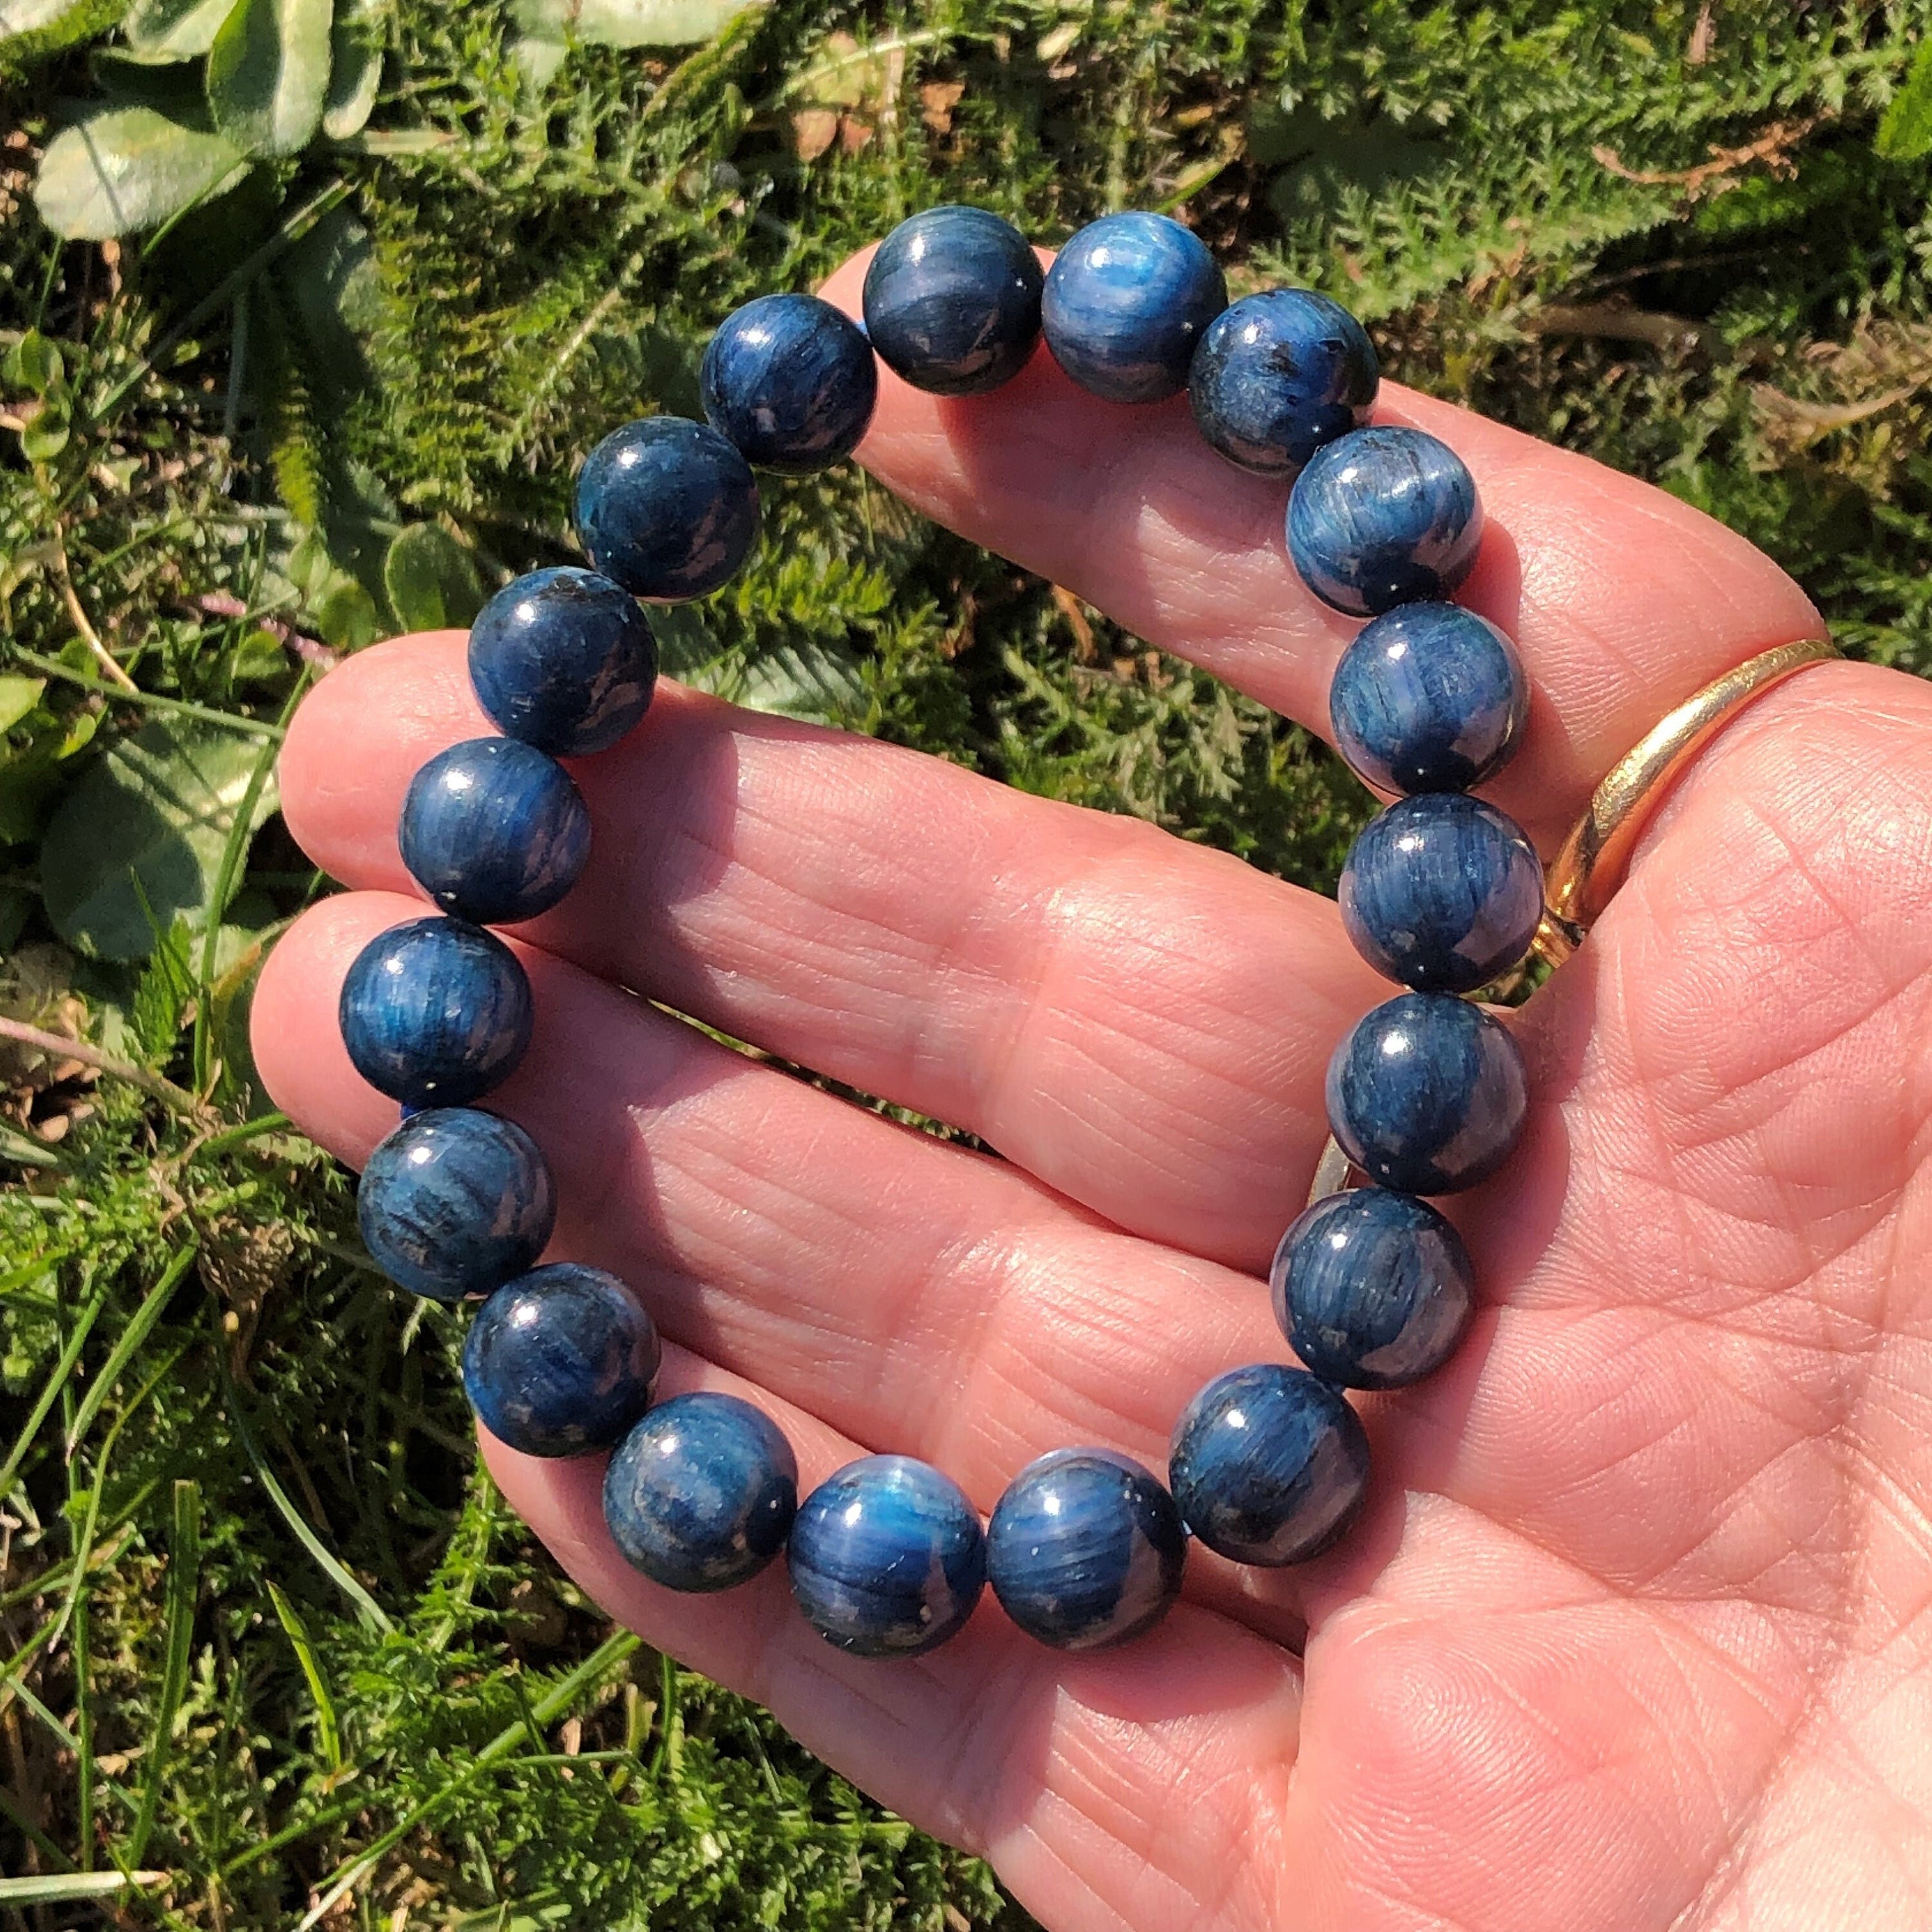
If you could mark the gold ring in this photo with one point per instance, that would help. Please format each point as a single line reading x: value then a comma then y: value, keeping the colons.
x: 1589, y: 865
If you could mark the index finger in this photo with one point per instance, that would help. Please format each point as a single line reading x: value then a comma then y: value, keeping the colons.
x: 1622, y: 599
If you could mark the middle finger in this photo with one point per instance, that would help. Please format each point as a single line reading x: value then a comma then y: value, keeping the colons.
x: 1141, y: 1023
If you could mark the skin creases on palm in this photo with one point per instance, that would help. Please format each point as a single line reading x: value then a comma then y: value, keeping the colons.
x: 1634, y: 1633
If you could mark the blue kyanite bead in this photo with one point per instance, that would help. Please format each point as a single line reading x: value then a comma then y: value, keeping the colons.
x: 494, y: 831
x: 1268, y: 1465
x: 1382, y: 517
x: 455, y: 1202
x: 1085, y: 1549
x: 1441, y: 892
x: 1428, y: 698
x: 1278, y: 375
x: 667, y: 508
x: 436, y: 1012
x: 1126, y: 305
x: 952, y: 301
x: 791, y: 381
x: 701, y: 1494
x: 887, y: 1557
x: 1372, y: 1289
x: 1426, y: 1093
x: 564, y: 660
x: 560, y: 1361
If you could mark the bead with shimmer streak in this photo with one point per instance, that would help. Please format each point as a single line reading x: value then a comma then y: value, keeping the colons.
x: 1428, y: 698
x: 791, y: 380
x: 494, y: 831
x: 560, y: 1361
x: 1441, y: 892
x: 1125, y: 303
x: 668, y: 508
x: 1277, y: 376
x: 1085, y: 1549
x: 1427, y: 1094
x: 563, y: 659
x: 1383, y: 516
x: 1372, y: 1289
x: 1268, y: 1465
x: 435, y: 1012
x: 454, y: 1202
x: 887, y: 1557
x: 952, y: 301
x: 701, y: 1494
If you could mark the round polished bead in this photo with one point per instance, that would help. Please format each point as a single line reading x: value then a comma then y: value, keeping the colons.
x: 1125, y: 303
x: 436, y: 1012
x: 1372, y: 1289
x: 560, y: 1361
x: 1428, y: 698
x: 701, y: 1494
x: 1382, y: 516
x: 1085, y: 1548
x: 790, y: 381
x: 494, y: 831
x: 1441, y: 892
x: 667, y: 508
x: 952, y: 301
x: 1426, y: 1093
x: 564, y: 660
x: 887, y: 1557
x: 1279, y: 374
x: 455, y: 1202
x: 1268, y: 1465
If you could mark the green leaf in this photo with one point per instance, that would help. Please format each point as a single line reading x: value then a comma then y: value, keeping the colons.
x: 34, y: 16
x: 118, y: 173
x: 143, y: 833
x: 627, y: 23
x: 33, y: 363
x: 356, y: 66
x: 18, y: 696
x: 162, y: 993
x: 175, y: 29
x: 431, y: 582
x: 268, y: 74
x: 1905, y: 134
x: 71, y: 1886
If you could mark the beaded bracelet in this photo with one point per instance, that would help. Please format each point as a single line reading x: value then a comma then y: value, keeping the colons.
x: 1440, y: 893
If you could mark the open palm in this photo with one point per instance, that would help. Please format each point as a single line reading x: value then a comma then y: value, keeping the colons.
x: 1635, y: 1632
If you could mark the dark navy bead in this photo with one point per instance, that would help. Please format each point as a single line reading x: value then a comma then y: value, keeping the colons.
x: 1428, y: 698
x: 1278, y: 375
x: 560, y: 1361
x: 1427, y: 1094
x: 667, y: 508
x: 564, y: 660
x: 1382, y: 517
x: 952, y: 301
x: 455, y: 1202
x: 887, y: 1557
x: 1372, y: 1289
x: 1441, y: 892
x: 790, y: 381
x: 436, y: 1012
x: 494, y: 831
x: 1268, y: 1465
x: 701, y: 1494
x: 1085, y: 1549
x: 1126, y: 305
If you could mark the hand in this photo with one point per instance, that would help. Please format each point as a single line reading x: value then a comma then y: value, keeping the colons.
x: 1635, y: 1632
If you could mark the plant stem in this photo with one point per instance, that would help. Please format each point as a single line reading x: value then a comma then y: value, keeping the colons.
x: 178, y: 1099
x: 133, y: 695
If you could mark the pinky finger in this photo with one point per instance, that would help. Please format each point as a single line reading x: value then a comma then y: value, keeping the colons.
x: 1090, y: 1782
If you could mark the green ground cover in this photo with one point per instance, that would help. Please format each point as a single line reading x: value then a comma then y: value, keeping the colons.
x: 265, y: 1630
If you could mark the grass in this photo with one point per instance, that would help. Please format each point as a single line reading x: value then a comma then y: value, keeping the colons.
x: 272, y: 1652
